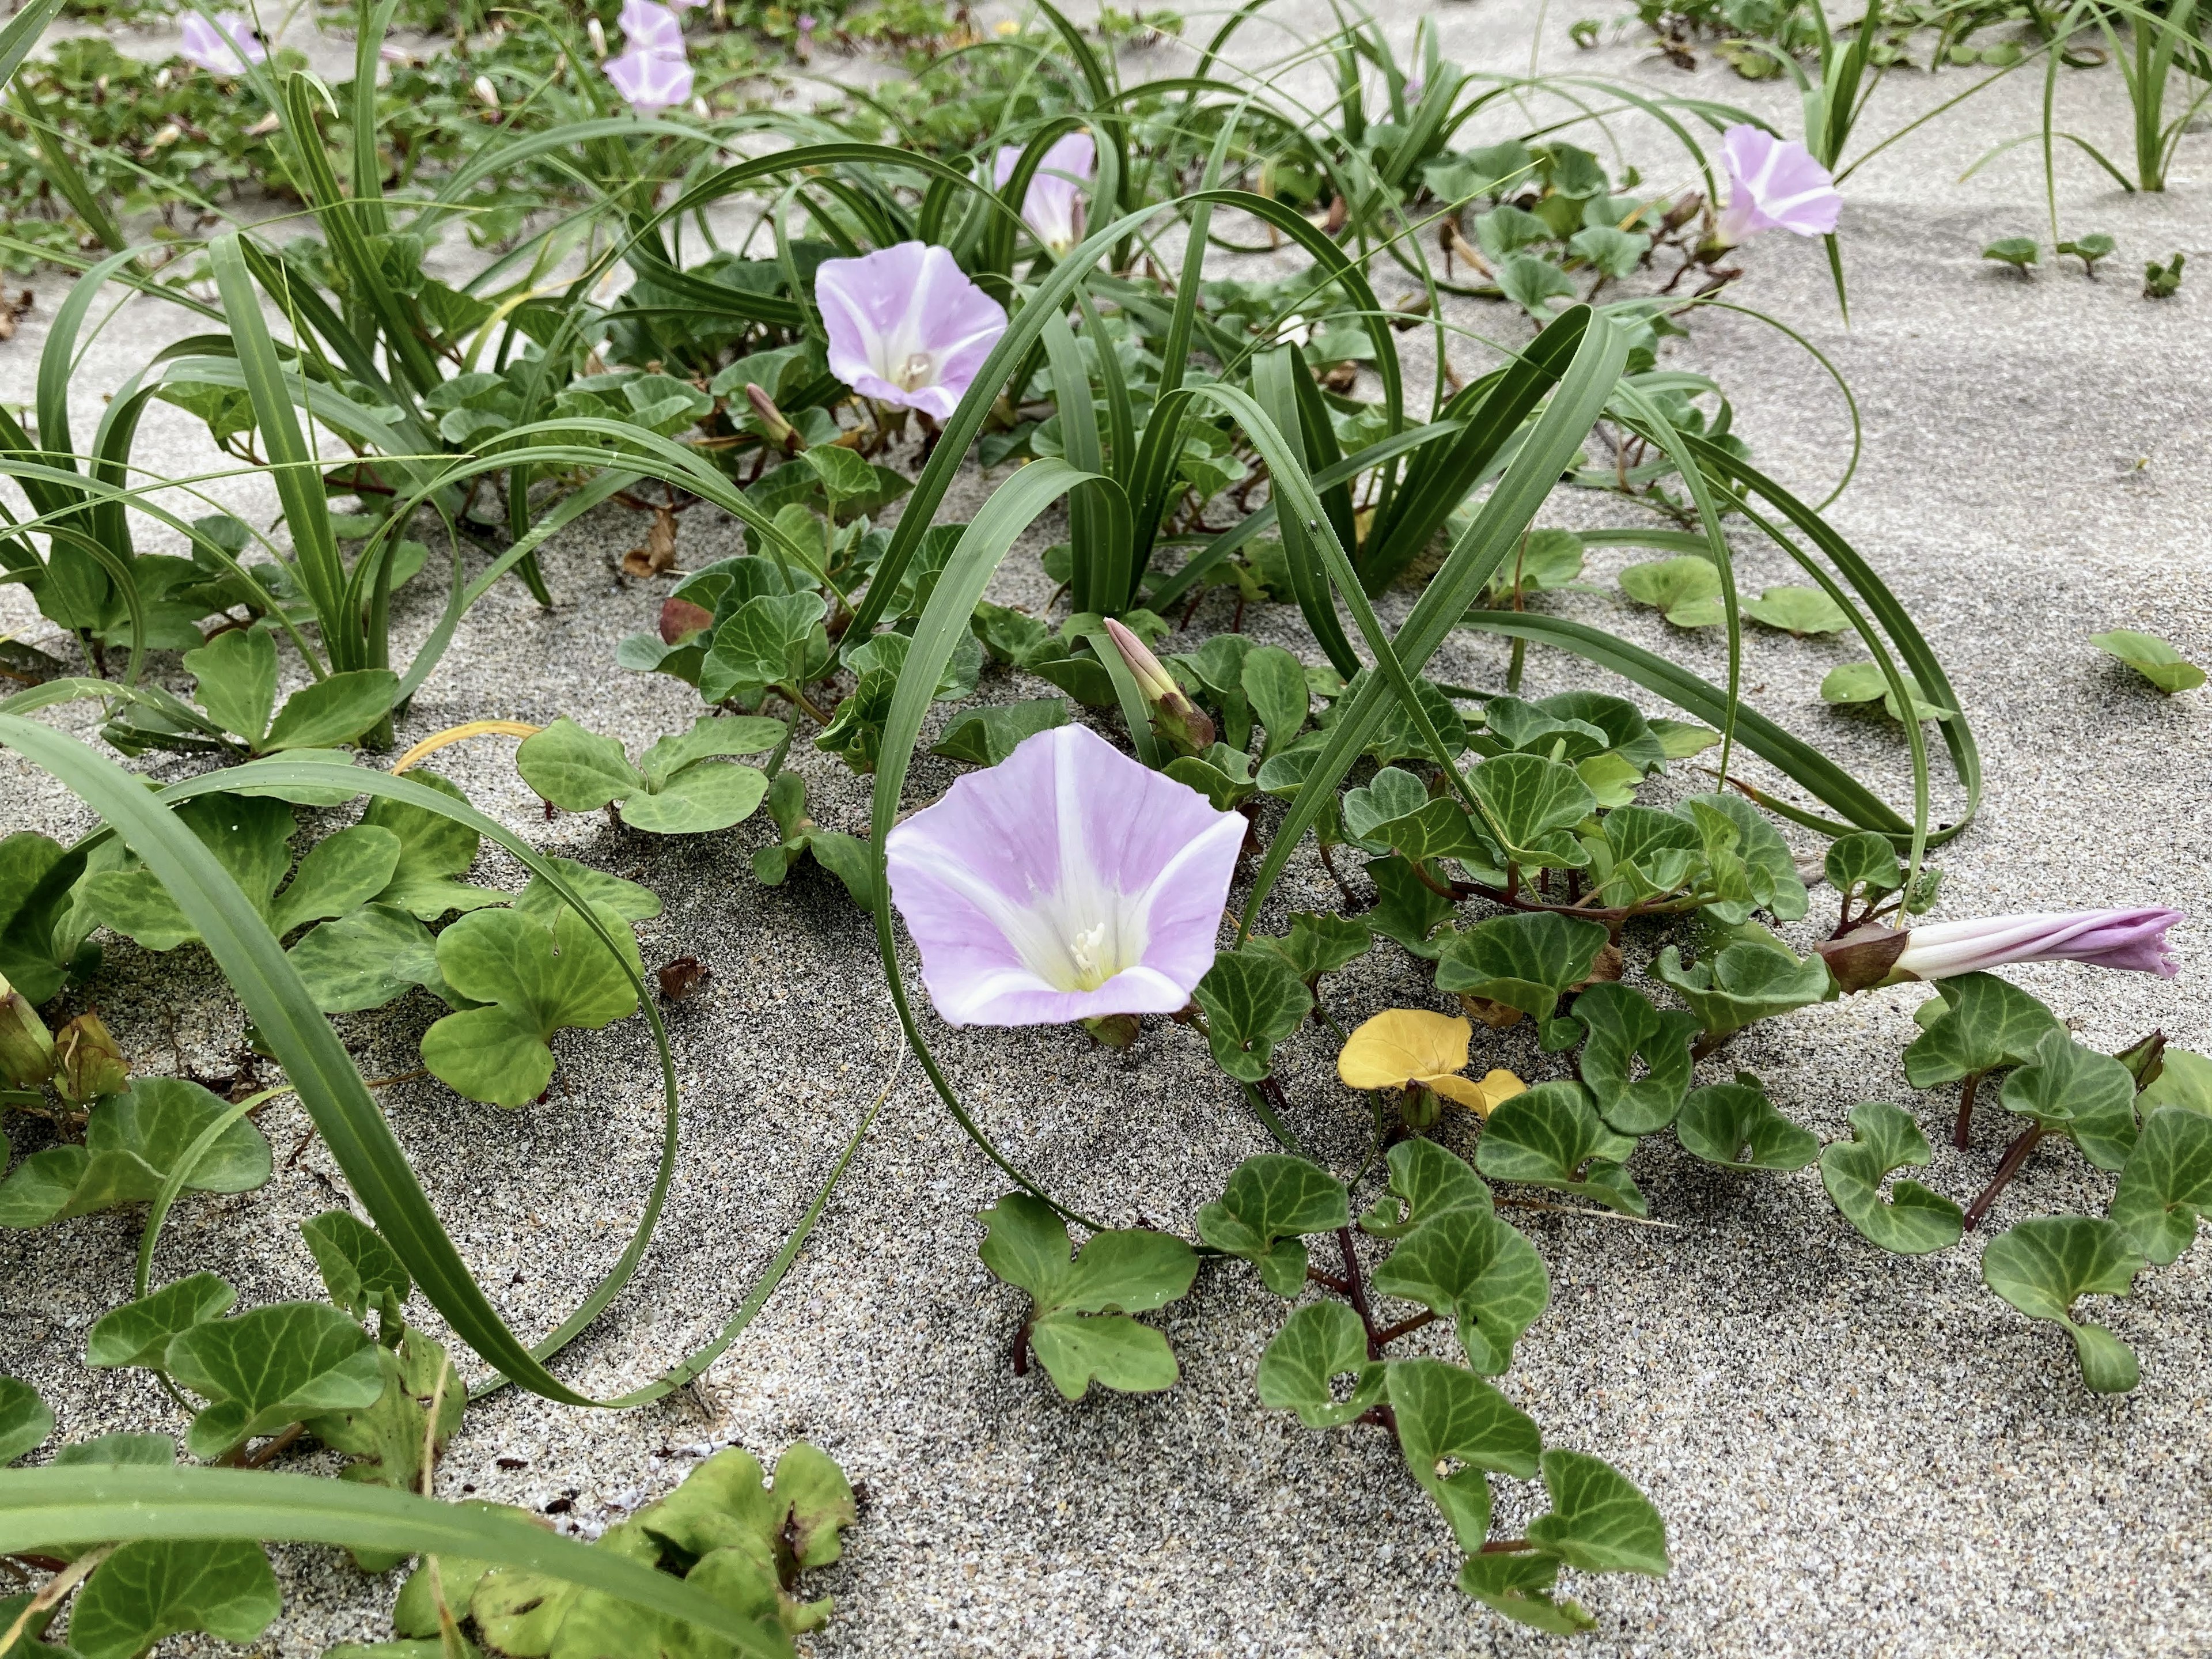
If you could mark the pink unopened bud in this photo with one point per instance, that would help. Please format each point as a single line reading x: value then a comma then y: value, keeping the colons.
x: 780, y: 430
x: 1175, y: 716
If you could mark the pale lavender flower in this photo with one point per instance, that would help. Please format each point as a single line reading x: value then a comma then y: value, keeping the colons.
x: 647, y: 26
x: 1066, y: 883
x: 648, y: 82
x: 225, y: 46
x: 1774, y: 184
x: 1414, y: 87
x: 906, y: 326
x: 2134, y: 939
x: 1053, y: 208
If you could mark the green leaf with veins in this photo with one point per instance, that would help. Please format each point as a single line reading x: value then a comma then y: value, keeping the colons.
x: 631, y: 900
x: 1913, y: 1220
x: 1683, y: 740
x: 1270, y: 1202
x: 339, y: 874
x: 24, y: 1419
x: 1552, y: 1136
x: 774, y: 639
x: 1406, y: 909
x: 671, y: 792
x: 1798, y: 611
x: 38, y: 899
x: 2043, y: 1266
x: 1624, y: 1035
x: 249, y: 838
x: 533, y: 980
x: 1467, y: 1266
x: 1251, y: 1001
x: 1079, y: 1327
x: 1532, y: 282
x: 1735, y: 1126
x: 335, y: 709
x: 1599, y: 1522
x: 384, y: 1441
x: 1653, y: 852
x: 1519, y: 1586
x: 271, y: 1367
x: 139, y: 1332
x: 1769, y: 871
x: 363, y: 1274
x: 1864, y: 682
x: 1426, y: 1181
x: 2184, y: 1079
x: 1866, y: 862
x: 131, y: 1143
x: 575, y: 769
x: 1275, y: 683
x: 1744, y: 982
x: 1531, y: 803
x: 365, y: 960
x: 1445, y: 1414
x: 2152, y: 657
x: 985, y: 737
x: 1318, y: 1343
x: 154, y: 1588
x: 1686, y: 591
x: 2166, y: 1189
x: 235, y: 676
x: 1545, y: 559
x: 1975, y: 1023
x: 2088, y: 1098
x: 1319, y: 943
x: 1512, y: 726
x: 1391, y: 795
x: 1526, y: 961
x: 434, y: 850
x: 1615, y: 252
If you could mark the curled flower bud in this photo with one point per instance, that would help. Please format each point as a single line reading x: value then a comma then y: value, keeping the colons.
x: 781, y: 431
x: 487, y: 95
x: 1175, y: 716
x: 2132, y: 939
x: 598, y: 35
x: 26, y: 1048
x: 91, y: 1062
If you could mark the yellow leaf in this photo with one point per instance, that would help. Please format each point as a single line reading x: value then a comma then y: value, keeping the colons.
x: 1403, y: 1045
x: 1481, y: 1098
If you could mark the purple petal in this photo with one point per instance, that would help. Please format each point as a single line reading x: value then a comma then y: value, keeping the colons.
x: 2129, y: 939
x: 226, y: 47
x: 906, y: 327
x: 1774, y: 184
x: 648, y: 82
x: 1065, y: 882
x: 1053, y: 209
x: 649, y: 27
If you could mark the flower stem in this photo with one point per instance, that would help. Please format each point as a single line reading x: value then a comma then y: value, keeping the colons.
x: 2007, y: 1167
x: 1962, y: 1135
x: 1356, y: 1291
x: 1390, y: 1334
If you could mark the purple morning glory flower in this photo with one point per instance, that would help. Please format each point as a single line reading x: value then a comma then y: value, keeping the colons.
x: 1053, y: 209
x: 2134, y: 939
x: 906, y: 326
x: 1774, y: 184
x: 1066, y: 883
x: 647, y: 26
x: 649, y: 82
x: 225, y: 46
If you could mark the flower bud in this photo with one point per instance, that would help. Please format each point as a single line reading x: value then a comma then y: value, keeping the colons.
x: 1179, y: 720
x: 1864, y: 957
x: 91, y: 1062
x: 781, y: 432
x: 599, y: 37
x: 487, y: 95
x: 26, y: 1048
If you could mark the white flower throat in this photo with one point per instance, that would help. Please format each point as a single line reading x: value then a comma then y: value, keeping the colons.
x: 918, y: 370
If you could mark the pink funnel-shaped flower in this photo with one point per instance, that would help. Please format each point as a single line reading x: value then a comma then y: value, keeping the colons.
x: 650, y: 82
x: 2134, y: 939
x: 906, y: 325
x: 1066, y: 883
x: 649, y: 27
x: 1053, y: 208
x: 225, y: 46
x: 1774, y: 184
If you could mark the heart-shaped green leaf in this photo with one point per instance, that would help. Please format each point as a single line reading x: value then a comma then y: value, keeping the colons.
x: 1864, y: 682
x: 131, y: 1143
x: 1270, y: 1202
x: 534, y: 980
x: 1769, y: 872
x: 1867, y: 862
x: 774, y: 639
x: 1552, y: 1136
x: 365, y: 960
x: 1526, y: 961
x: 1744, y: 982
x: 1686, y: 591
x: 1319, y: 1343
x: 360, y: 1271
x: 1511, y: 726
x: 1913, y: 1220
x: 1319, y: 943
x: 2152, y: 657
x: 1626, y: 1036
x: 139, y: 1332
x: 2166, y: 1189
x: 1472, y: 1268
x: 153, y: 1588
x: 577, y: 770
x: 332, y: 710
x: 1651, y: 853
x: 1798, y: 611
x: 1599, y: 1522
x: 1448, y: 1415
x: 1251, y: 1001
x: 1735, y: 1126
x: 271, y: 1367
x: 434, y: 850
x: 1274, y: 684
x: 1406, y: 909
x: 2183, y: 1079
x: 984, y: 736
x: 2042, y: 1266
x: 236, y: 681
x: 1545, y: 559
x: 1519, y: 1586
x: 1426, y: 1181
x: 1976, y: 1023
x: 1530, y: 802
x: 340, y: 874
x: 1079, y: 1327
x: 2088, y: 1098
x: 249, y: 838
x: 25, y: 1420
x: 1391, y: 795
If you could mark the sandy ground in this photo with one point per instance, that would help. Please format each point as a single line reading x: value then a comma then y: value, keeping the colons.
x: 1854, y: 1453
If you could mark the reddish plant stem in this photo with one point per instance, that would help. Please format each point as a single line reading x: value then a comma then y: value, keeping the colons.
x: 1962, y: 1136
x: 1335, y: 875
x: 1505, y: 1546
x: 2007, y: 1167
x: 1390, y: 1334
x: 1355, y: 1289
x: 1329, y: 1280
